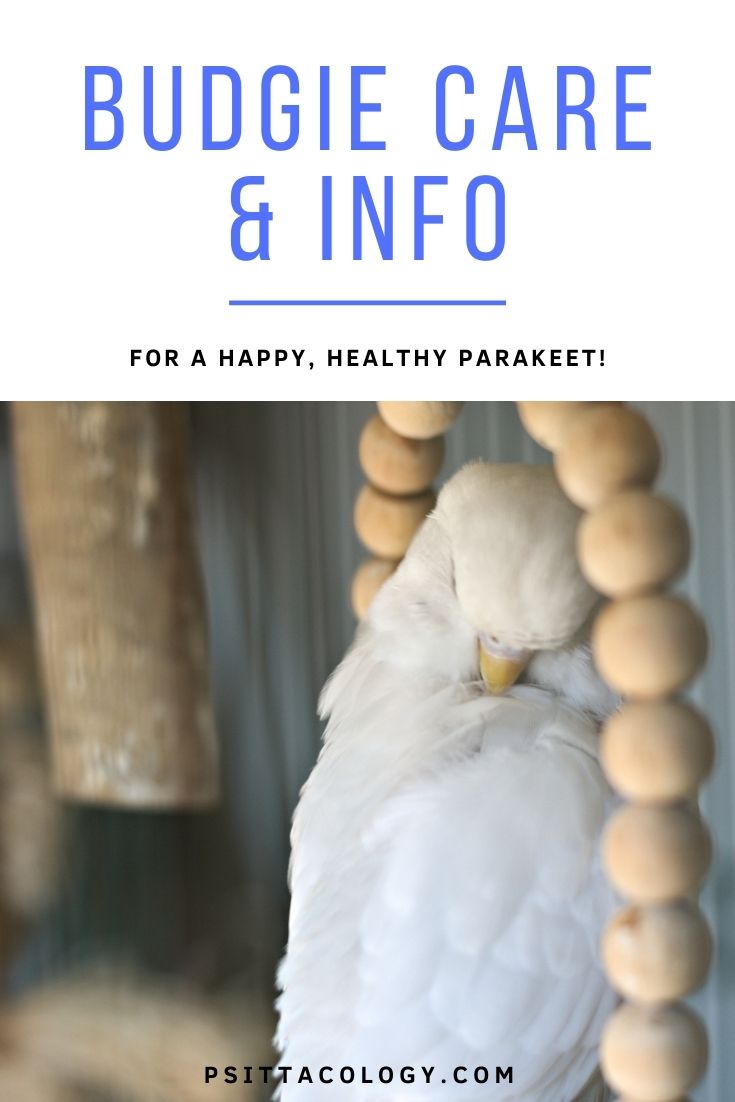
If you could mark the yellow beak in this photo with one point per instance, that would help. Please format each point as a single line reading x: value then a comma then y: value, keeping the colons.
x: 500, y: 669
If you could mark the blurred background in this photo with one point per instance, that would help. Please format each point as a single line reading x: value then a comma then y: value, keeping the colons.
x: 182, y: 916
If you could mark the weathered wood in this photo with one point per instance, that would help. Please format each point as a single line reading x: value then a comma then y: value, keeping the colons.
x: 106, y: 505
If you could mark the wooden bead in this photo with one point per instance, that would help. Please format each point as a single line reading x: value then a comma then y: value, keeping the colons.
x: 648, y: 647
x: 657, y: 954
x: 419, y: 420
x: 546, y: 422
x: 653, y: 1054
x: 606, y: 449
x: 656, y: 854
x: 387, y: 524
x: 633, y: 543
x: 368, y: 579
x: 657, y: 751
x: 398, y: 465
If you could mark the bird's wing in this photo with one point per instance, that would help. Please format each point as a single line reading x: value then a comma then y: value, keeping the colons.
x: 478, y: 945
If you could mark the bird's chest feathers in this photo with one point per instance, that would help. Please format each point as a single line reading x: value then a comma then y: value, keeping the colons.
x: 407, y: 743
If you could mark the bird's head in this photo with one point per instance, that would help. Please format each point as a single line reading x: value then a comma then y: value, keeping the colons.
x: 511, y: 536
x: 489, y: 589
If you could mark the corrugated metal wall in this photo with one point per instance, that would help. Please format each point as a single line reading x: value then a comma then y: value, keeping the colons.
x: 699, y: 440
x: 276, y: 487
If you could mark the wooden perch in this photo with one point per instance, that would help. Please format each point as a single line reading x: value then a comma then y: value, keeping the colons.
x: 106, y: 503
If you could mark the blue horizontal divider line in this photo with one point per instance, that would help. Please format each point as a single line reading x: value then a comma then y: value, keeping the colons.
x: 367, y: 302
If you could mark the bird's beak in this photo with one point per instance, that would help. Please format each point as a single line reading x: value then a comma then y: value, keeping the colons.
x: 500, y: 666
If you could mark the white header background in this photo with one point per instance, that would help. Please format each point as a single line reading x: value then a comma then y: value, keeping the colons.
x: 113, y: 250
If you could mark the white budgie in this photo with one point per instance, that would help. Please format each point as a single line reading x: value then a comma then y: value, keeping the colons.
x: 447, y: 894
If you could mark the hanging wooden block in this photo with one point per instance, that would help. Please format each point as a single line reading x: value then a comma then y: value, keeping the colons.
x: 657, y: 751
x: 420, y: 420
x: 106, y: 501
x: 656, y: 854
x: 368, y: 579
x: 633, y: 543
x: 387, y: 524
x: 606, y: 449
x: 657, y: 954
x: 653, y: 1055
x: 547, y: 422
x: 648, y: 647
x: 396, y: 464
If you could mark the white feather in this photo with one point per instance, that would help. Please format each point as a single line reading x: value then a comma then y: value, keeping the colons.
x: 447, y: 894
